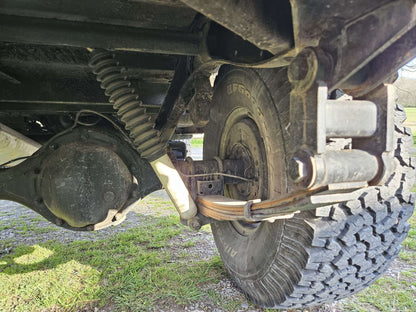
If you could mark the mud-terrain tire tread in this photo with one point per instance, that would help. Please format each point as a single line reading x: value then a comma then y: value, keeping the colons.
x: 334, y: 251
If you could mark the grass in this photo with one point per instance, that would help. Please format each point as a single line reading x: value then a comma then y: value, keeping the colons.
x: 408, y: 252
x: 411, y: 119
x: 387, y: 294
x: 410, y: 242
x: 197, y: 143
x: 24, y: 226
x: 131, y: 271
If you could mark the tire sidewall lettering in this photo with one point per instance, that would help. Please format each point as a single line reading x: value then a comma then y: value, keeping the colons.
x: 239, y: 88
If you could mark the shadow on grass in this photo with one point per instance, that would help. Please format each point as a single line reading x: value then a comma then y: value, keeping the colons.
x: 132, y: 270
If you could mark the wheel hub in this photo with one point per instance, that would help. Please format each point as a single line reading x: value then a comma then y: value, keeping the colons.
x: 242, y: 141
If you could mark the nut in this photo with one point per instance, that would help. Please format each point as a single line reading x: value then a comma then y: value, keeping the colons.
x: 298, y: 69
x: 297, y: 170
x: 195, y: 223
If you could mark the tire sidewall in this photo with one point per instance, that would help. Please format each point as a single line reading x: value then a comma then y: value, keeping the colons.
x: 248, y: 257
x: 243, y: 89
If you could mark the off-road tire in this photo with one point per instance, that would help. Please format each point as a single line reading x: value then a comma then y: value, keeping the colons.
x: 317, y: 256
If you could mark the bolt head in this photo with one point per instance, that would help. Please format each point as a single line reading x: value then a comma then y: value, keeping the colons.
x: 298, y: 69
x: 303, y: 69
x: 195, y: 223
x: 297, y: 170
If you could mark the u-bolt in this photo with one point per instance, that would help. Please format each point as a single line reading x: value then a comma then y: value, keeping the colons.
x: 124, y: 98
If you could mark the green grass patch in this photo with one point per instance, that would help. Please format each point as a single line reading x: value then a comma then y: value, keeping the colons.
x: 225, y: 303
x: 411, y: 113
x: 26, y: 226
x: 408, y: 252
x: 408, y: 256
x: 197, y: 142
x: 411, y: 120
x: 387, y: 295
x: 132, y: 271
x: 409, y: 245
x: 189, y: 244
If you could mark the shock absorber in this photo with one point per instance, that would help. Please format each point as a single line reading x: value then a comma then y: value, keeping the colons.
x: 124, y: 98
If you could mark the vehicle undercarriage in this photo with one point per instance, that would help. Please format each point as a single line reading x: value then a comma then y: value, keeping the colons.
x: 306, y: 174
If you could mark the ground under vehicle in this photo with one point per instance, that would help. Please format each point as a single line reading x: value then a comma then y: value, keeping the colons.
x: 331, y: 216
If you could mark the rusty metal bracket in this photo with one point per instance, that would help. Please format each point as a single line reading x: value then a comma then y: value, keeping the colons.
x: 314, y: 119
x: 210, y: 187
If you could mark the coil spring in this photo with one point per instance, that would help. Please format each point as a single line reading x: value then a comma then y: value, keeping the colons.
x: 123, y: 96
